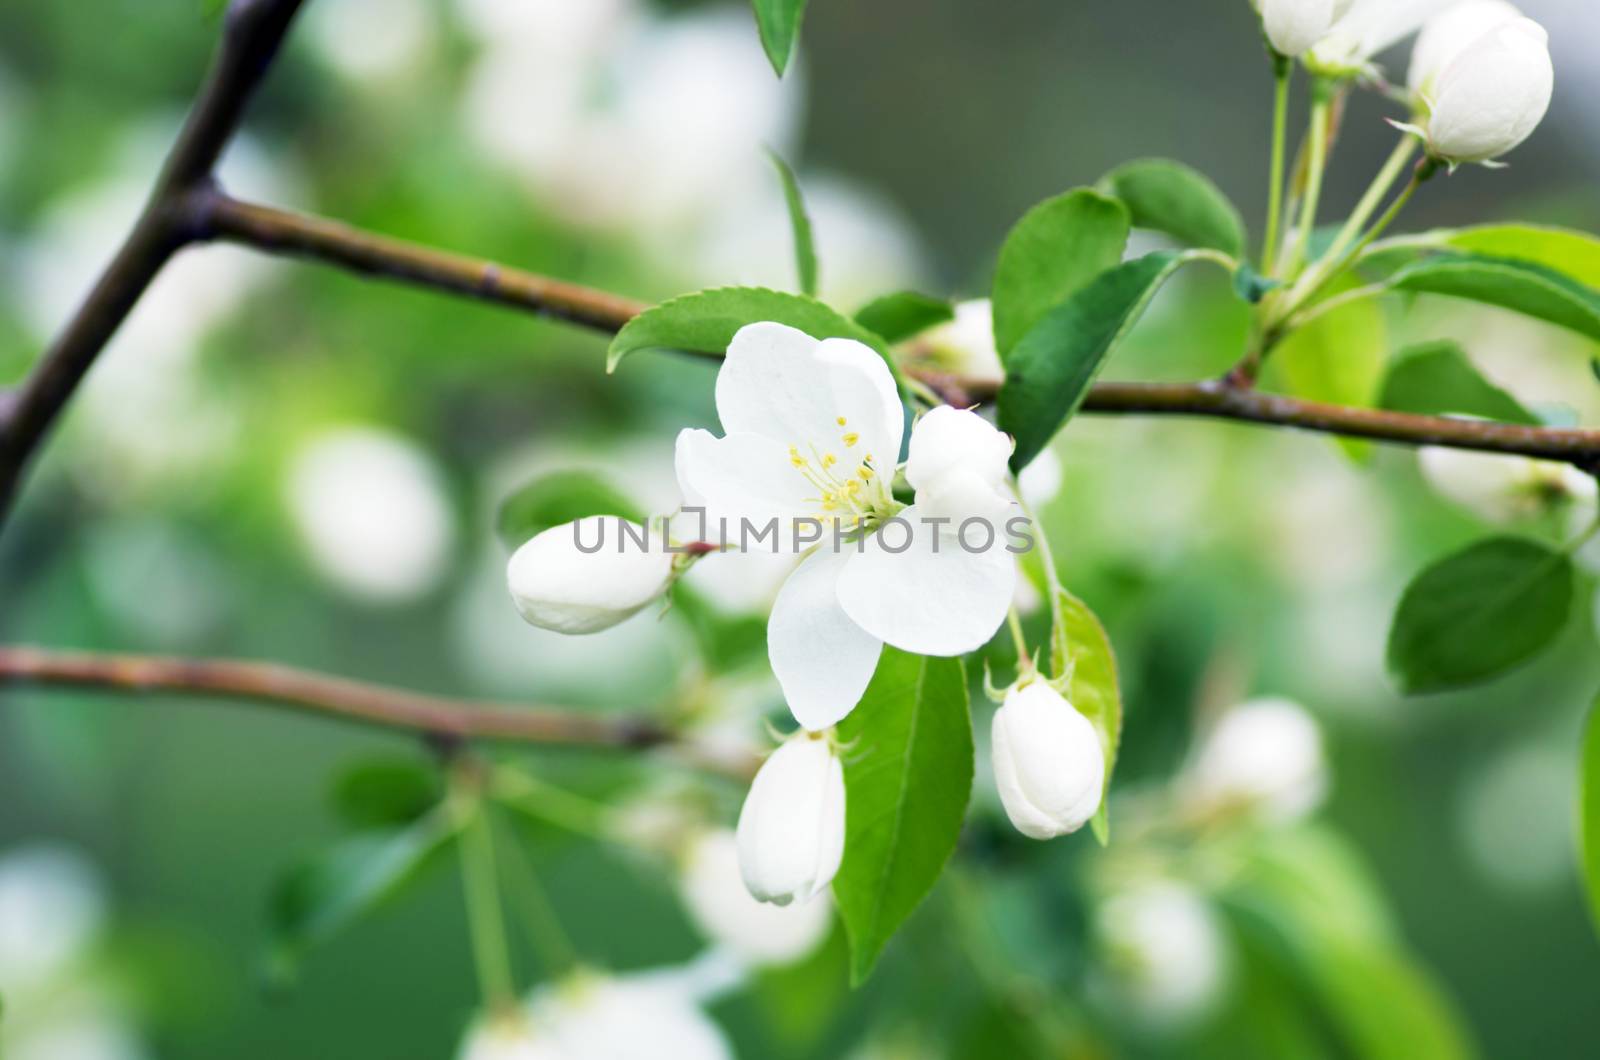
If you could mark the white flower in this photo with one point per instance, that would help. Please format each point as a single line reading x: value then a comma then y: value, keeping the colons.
x: 757, y: 933
x: 965, y: 346
x: 791, y: 829
x: 1265, y: 755
x: 813, y: 436
x: 589, y: 575
x: 371, y: 511
x: 1163, y: 941
x: 1048, y: 762
x: 508, y: 1037
x: 1293, y: 26
x: 1449, y: 34
x: 51, y: 909
x: 372, y: 40
x: 594, y: 1017
x: 1504, y: 489
x: 1493, y: 95
x: 1368, y: 28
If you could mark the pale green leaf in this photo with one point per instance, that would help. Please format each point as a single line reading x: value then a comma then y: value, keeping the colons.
x: 1532, y: 290
x: 903, y: 315
x: 1080, y: 641
x: 1339, y: 358
x: 1170, y: 197
x: 1057, y: 248
x: 1573, y: 254
x: 1438, y: 380
x: 908, y: 775
x: 805, y: 249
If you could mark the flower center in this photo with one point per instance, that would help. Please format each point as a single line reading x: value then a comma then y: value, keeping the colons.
x: 851, y: 491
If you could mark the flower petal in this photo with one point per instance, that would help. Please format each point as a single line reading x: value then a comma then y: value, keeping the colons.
x: 948, y: 440
x: 823, y: 660
x: 781, y: 383
x: 934, y: 597
x: 742, y: 476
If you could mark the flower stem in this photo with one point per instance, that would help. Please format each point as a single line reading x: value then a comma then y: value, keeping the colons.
x: 1317, y: 143
x: 485, y: 921
x: 1281, y: 70
x: 1014, y: 621
x: 1369, y: 202
x: 540, y: 919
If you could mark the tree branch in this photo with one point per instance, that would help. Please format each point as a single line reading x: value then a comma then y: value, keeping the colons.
x: 305, y: 691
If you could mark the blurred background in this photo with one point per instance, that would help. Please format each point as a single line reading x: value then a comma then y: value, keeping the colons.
x: 279, y: 461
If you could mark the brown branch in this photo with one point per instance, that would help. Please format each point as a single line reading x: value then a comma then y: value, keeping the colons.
x: 251, y: 36
x: 305, y: 691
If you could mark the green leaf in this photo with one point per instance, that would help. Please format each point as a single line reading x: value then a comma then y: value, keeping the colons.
x: 1050, y: 371
x: 706, y: 321
x: 1251, y: 286
x: 386, y: 792
x: 1437, y: 379
x: 328, y: 892
x: 1478, y: 613
x: 1170, y: 197
x: 1589, y: 811
x: 899, y: 316
x: 908, y: 776
x: 1575, y: 255
x: 1057, y: 248
x: 1531, y: 290
x: 1080, y: 640
x: 805, y: 248
x: 1338, y: 358
x: 779, y: 24
x: 557, y: 498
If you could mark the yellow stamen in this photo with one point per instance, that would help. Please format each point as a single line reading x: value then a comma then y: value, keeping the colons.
x: 851, y: 438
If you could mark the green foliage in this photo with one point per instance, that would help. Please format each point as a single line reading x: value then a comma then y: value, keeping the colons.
x: 1589, y: 811
x: 1573, y: 254
x: 1338, y: 357
x: 386, y: 792
x: 908, y: 775
x: 1057, y: 248
x: 903, y: 314
x: 1478, y: 613
x: 1251, y: 286
x: 1436, y: 379
x: 349, y: 879
x: 1050, y: 371
x: 706, y: 321
x: 1170, y: 197
x: 1531, y: 290
x: 805, y: 248
x: 779, y: 24
x: 1080, y: 641
x: 558, y: 498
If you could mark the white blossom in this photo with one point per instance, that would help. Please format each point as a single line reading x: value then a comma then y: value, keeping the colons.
x: 964, y: 346
x: 757, y: 933
x: 1370, y: 27
x: 511, y: 1036
x: 1266, y: 756
x: 372, y: 40
x: 791, y: 828
x: 1048, y: 762
x: 598, y: 1017
x: 813, y: 431
x: 1167, y: 950
x: 1506, y: 488
x: 1293, y: 26
x: 1493, y: 95
x: 589, y: 575
x: 1447, y: 35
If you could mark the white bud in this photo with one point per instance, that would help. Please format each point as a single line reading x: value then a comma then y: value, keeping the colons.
x: 601, y: 1017
x: 1493, y: 94
x: 1504, y: 488
x: 1293, y: 26
x: 758, y: 933
x: 964, y: 346
x: 1170, y: 955
x: 791, y: 829
x: 1447, y: 35
x: 507, y: 1037
x: 1048, y: 762
x: 559, y: 585
x: 1265, y: 755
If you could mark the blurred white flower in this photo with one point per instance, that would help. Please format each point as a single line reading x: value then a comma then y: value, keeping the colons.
x: 1370, y: 27
x: 1041, y: 480
x: 373, y: 39
x: 757, y: 933
x: 548, y: 28
x: 964, y: 346
x: 589, y: 575
x: 1048, y: 762
x: 86, y: 1035
x: 1167, y: 955
x: 1264, y: 756
x: 1516, y: 818
x: 51, y: 909
x: 1450, y: 33
x: 510, y: 1036
x: 1293, y: 26
x: 1504, y: 489
x: 593, y: 1017
x: 1493, y: 95
x: 161, y: 583
x: 791, y: 827
x: 741, y: 582
x: 371, y: 509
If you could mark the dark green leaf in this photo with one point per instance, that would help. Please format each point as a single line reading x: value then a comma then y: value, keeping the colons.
x: 779, y: 24
x: 558, y: 498
x: 1438, y: 380
x: 907, y: 779
x: 1573, y: 254
x: 897, y: 317
x: 386, y: 792
x: 1081, y: 641
x: 1049, y: 372
x: 1338, y: 358
x: 1478, y: 613
x: 347, y: 880
x: 726, y: 641
x: 1057, y: 248
x: 805, y: 248
x: 1166, y: 196
x: 705, y: 322
x: 1589, y: 811
x: 1532, y: 290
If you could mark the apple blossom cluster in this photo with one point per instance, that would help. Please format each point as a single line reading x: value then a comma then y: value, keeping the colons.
x: 1480, y: 81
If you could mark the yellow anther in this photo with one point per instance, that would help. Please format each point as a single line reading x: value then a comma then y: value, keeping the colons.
x: 866, y: 474
x: 841, y: 421
x: 851, y: 438
x: 828, y: 460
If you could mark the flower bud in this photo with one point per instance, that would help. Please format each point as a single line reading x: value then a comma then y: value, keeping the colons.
x: 1048, y: 762
x: 755, y: 932
x: 507, y: 1037
x: 1265, y: 755
x: 1447, y: 35
x: 1493, y: 95
x: 1169, y: 954
x: 587, y: 576
x: 1293, y: 26
x: 1505, y: 488
x: 791, y: 829
x: 964, y: 346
